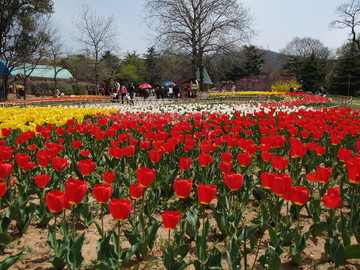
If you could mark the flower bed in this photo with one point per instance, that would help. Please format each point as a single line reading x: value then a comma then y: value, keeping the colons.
x: 207, y: 186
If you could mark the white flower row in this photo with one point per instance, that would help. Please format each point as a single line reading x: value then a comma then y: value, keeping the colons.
x: 183, y: 109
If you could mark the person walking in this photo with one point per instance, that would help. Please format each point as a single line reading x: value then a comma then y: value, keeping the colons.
x: 176, y: 91
x: 123, y: 91
x: 131, y: 90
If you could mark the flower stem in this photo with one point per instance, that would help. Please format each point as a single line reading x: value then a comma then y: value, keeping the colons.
x: 102, y: 217
x: 73, y: 222
x: 245, y: 253
x: 119, y: 231
x: 169, y: 238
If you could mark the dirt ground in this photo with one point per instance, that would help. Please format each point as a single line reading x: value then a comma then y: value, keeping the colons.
x: 37, y: 252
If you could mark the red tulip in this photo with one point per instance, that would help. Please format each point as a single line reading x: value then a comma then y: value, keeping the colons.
x: 266, y: 179
x: 22, y: 159
x: 76, y: 144
x: 300, y: 195
x: 280, y: 184
x: 86, y: 166
x: 43, y: 157
x: 102, y: 121
x: 11, y: 182
x: 120, y: 209
x: 155, y: 155
x: 167, y: 147
x: 278, y: 141
x: 42, y: 180
x: 332, y: 201
x: 170, y: 219
x: 55, y: 201
x: 144, y: 145
x: 85, y: 153
x: 5, y: 153
x: 59, y: 164
x: 244, y: 159
x: 2, y: 189
x: 205, y: 159
x: 267, y: 156
x: 225, y: 166
x: 32, y: 147
x: 60, y: 131
x: 344, y: 154
x: 298, y: 150
x: 5, y: 170
x: 75, y: 190
x: 206, y: 193
x: 226, y: 156
x: 116, y: 152
x: 323, y: 174
x: 320, y: 150
x: 334, y: 191
x: 28, y: 166
x: 102, y: 192
x: 184, y: 163
x: 5, y: 132
x: 136, y: 191
x: 109, y: 177
x: 233, y: 181
x: 352, y: 168
x: 145, y: 176
x: 279, y: 163
x: 129, y: 150
x: 182, y: 187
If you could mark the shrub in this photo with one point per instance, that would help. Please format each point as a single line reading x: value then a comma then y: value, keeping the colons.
x: 284, y: 86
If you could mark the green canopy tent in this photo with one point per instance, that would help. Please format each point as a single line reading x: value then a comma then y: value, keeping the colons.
x: 207, y: 80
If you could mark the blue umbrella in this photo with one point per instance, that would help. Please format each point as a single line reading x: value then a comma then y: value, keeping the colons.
x: 168, y: 83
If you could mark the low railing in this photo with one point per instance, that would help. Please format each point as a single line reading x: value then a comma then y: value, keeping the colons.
x: 343, y: 100
x: 139, y: 101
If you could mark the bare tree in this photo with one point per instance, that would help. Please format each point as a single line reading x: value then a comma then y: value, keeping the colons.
x: 96, y: 32
x: 20, y: 33
x: 349, y: 17
x: 304, y: 47
x: 199, y: 27
x: 56, y: 53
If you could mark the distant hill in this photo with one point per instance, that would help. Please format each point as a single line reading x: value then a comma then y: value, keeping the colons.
x: 273, y: 60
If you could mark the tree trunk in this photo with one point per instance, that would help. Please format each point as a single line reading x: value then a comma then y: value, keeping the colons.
x: 4, y: 87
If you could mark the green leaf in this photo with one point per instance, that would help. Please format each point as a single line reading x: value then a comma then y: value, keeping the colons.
x: 181, y: 251
x: 352, y: 251
x: 5, y: 239
x: 214, y: 259
x: 344, y: 230
x: 340, y: 256
x: 273, y: 236
x: 57, y: 262
x: 317, y: 228
x: 4, y: 224
x: 9, y: 261
x: 74, y: 257
x: 233, y: 254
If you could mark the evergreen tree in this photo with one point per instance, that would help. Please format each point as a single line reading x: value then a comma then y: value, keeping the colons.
x: 133, y: 69
x: 249, y: 63
x: 253, y: 61
x: 346, y: 79
x: 312, y: 73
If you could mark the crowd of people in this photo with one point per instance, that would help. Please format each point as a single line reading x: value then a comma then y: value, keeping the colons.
x: 126, y: 94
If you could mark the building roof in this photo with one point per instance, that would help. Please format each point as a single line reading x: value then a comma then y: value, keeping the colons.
x: 42, y: 71
x: 3, y: 67
x: 207, y: 79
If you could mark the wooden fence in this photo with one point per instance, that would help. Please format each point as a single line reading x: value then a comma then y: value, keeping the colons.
x: 138, y: 101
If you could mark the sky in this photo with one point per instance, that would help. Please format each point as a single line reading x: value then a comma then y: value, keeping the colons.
x: 277, y: 22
